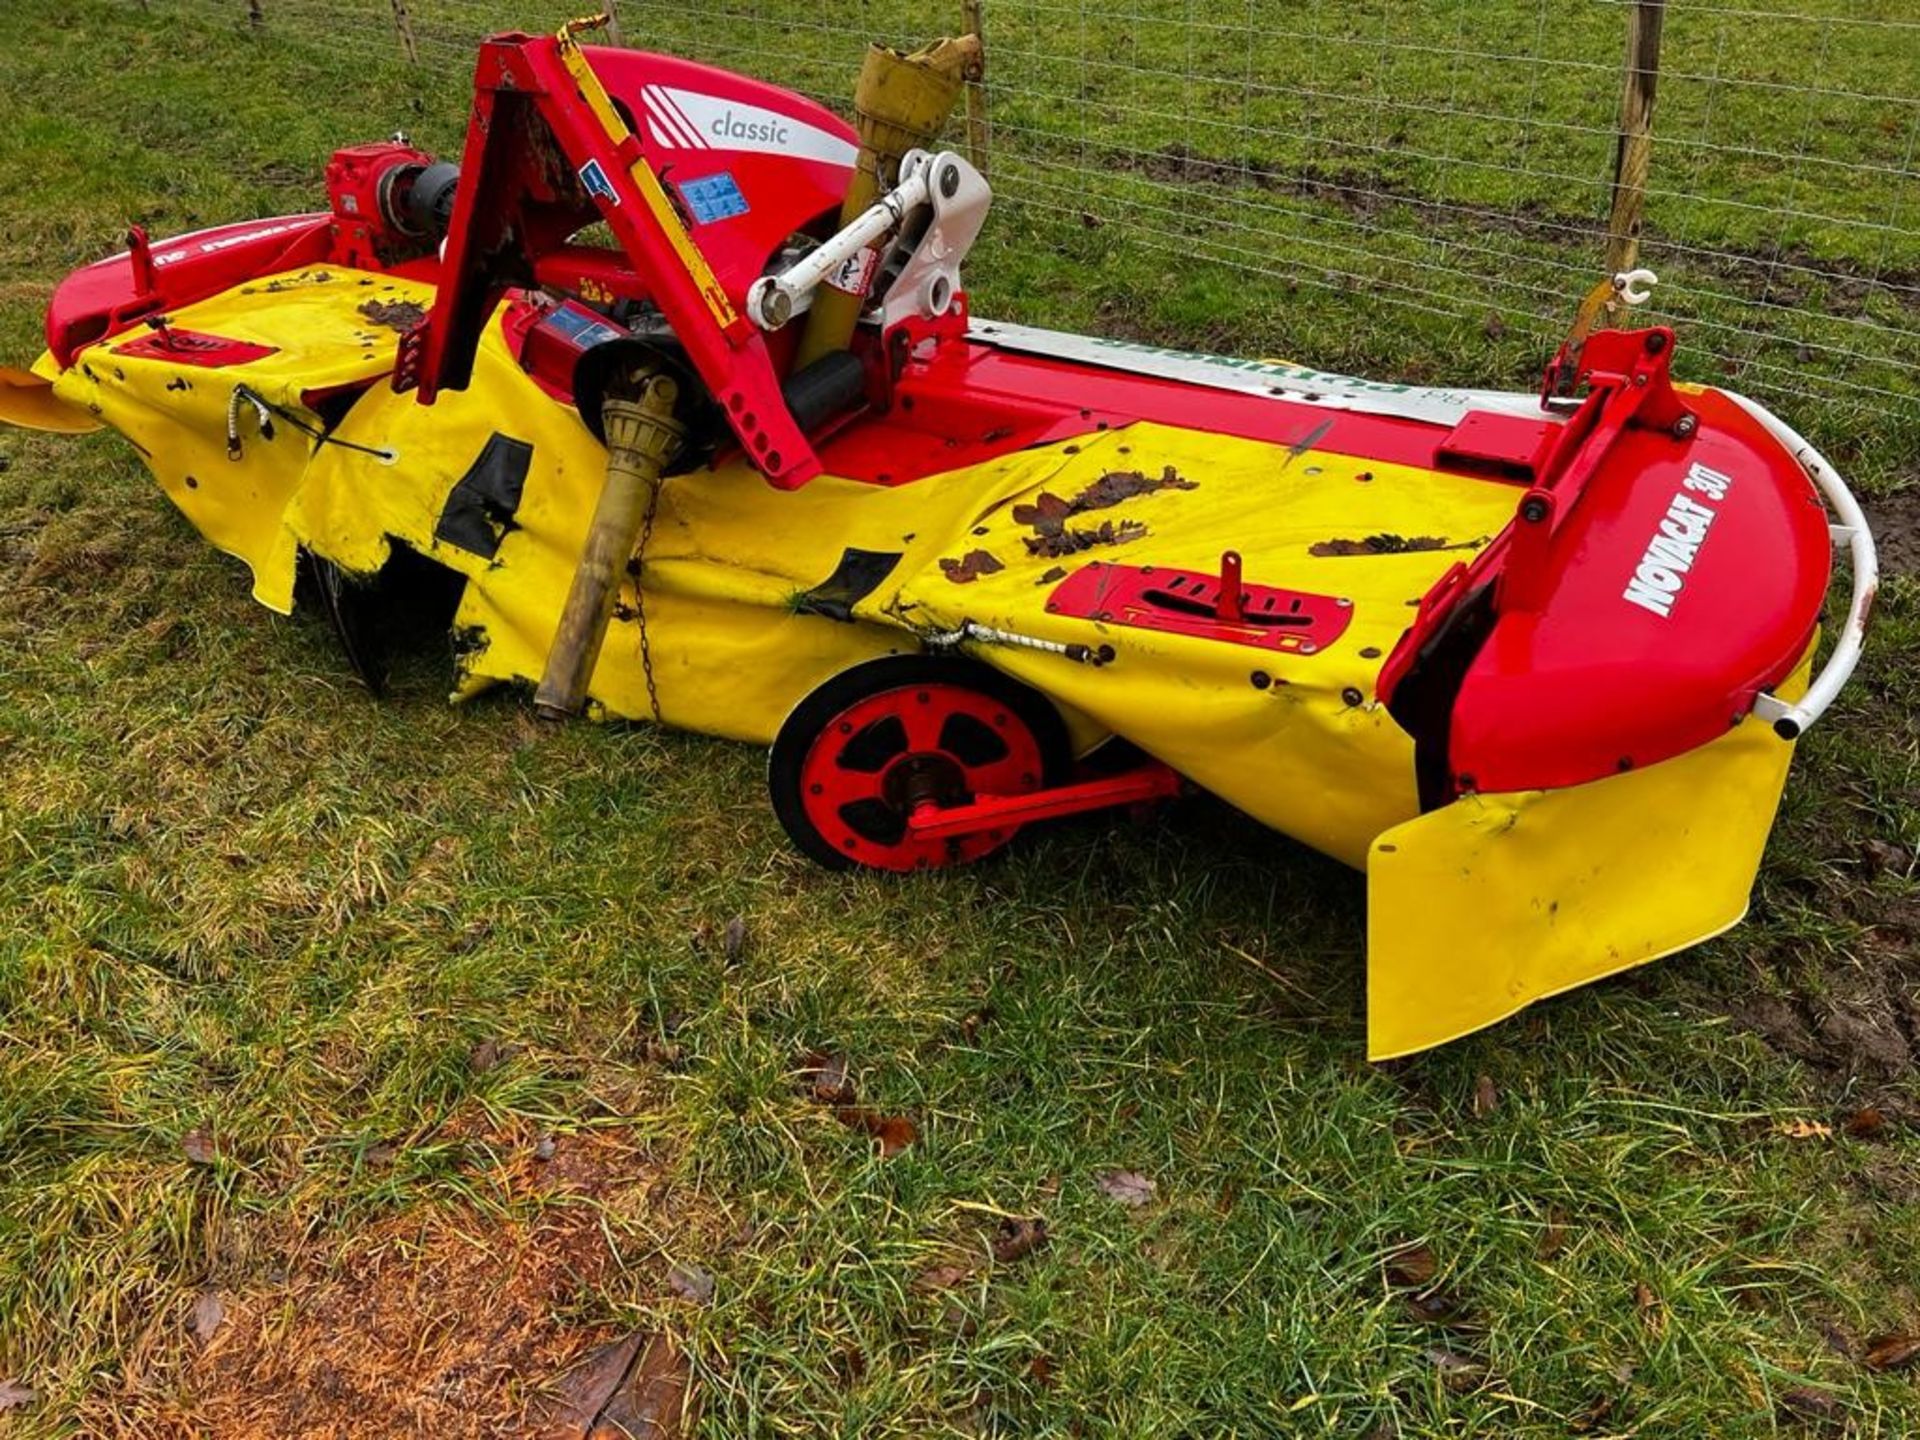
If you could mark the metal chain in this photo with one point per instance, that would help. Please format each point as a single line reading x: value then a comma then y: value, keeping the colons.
x: 640, y: 597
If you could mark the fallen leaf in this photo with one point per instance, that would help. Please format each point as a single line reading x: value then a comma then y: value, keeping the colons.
x: 1128, y: 1187
x: 1806, y: 1130
x: 1884, y: 857
x: 381, y: 1152
x: 1553, y: 1238
x: 733, y: 940
x: 1486, y: 1098
x: 893, y: 1133
x: 1865, y: 1124
x: 15, y: 1396
x: 1838, y: 1340
x: 1648, y: 1306
x: 544, y: 1147
x: 197, y: 1146
x: 824, y: 1077
x: 690, y: 1282
x: 631, y: 1387
x: 1434, y: 1307
x: 1018, y: 1238
x: 1809, y: 1404
x: 1592, y: 1415
x: 1410, y: 1267
x: 1040, y: 1371
x: 936, y: 1278
x: 1892, y: 1352
x: 490, y: 1054
x: 208, y: 1313
x: 1458, y: 1372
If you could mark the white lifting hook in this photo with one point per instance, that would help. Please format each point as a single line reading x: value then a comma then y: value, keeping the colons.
x: 1635, y: 286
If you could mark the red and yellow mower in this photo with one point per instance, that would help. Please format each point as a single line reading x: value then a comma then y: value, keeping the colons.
x: 1534, y: 662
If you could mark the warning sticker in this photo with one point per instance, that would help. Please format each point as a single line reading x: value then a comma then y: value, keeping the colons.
x: 855, y: 273
x: 713, y: 197
x: 595, y: 179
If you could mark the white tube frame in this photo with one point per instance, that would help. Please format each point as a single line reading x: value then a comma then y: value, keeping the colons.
x: 1791, y: 721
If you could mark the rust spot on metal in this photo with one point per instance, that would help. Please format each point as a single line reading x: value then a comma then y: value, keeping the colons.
x: 397, y: 315
x: 1389, y: 545
x: 970, y: 567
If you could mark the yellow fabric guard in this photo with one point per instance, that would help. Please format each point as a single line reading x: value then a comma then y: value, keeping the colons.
x: 1484, y: 906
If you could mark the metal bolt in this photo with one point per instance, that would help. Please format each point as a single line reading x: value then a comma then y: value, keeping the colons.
x: 950, y: 181
x: 1684, y: 427
x: 1533, y: 509
x: 1656, y: 342
x: 1261, y: 680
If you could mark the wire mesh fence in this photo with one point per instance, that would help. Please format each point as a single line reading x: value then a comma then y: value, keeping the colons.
x: 1441, y: 174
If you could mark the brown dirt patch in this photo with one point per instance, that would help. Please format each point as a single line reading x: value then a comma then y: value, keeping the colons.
x: 455, y: 1323
x: 1895, y: 522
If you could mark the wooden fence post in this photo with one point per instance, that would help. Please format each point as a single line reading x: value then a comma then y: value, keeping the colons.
x: 403, y: 22
x: 1634, y: 153
x: 979, y: 131
x: 614, y: 34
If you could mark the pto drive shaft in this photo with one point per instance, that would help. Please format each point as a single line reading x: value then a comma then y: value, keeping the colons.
x: 642, y: 439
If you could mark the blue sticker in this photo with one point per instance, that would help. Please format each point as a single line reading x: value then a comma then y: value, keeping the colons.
x: 715, y: 197
x: 595, y: 179
x: 582, y: 328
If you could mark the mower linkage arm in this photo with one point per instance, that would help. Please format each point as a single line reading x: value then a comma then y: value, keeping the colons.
x: 925, y: 180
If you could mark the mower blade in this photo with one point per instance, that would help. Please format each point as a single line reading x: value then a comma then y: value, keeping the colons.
x: 1481, y: 907
x: 29, y: 402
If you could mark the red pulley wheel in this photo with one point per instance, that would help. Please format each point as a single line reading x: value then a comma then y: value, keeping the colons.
x: 856, y: 756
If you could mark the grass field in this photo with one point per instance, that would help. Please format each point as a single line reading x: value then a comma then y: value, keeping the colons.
x: 364, y: 1065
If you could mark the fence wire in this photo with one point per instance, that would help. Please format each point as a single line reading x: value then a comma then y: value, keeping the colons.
x: 1385, y: 178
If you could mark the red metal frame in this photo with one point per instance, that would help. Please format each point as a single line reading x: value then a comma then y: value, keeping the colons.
x: 1139, y: 786
x: 1213, y: 607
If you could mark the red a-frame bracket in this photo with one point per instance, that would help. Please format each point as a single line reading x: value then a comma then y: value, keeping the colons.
x: 546, y: 154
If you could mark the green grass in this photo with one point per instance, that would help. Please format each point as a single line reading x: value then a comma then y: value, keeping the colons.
x: 238, y: 896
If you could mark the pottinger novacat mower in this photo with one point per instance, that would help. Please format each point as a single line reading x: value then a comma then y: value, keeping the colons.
x: 675, y: 373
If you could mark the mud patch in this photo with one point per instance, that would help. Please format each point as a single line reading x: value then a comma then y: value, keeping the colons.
x: 1389, y: 545
x: 1895, y: 522
x: 970, y: 567
x: 399, y: 316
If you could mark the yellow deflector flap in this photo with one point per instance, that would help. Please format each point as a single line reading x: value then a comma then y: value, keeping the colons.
x: 29, y: 402
x: 1488, y: 904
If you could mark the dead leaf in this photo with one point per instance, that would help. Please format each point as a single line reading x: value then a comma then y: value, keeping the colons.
x: 1805, y: 1403
x: 1592, y: 1415
x: 1883, y: 857
x: 1553, y: 1239
x: 1410, y: 1267
x: 824, y: 1077
x: 15, y: 1396
x: 544, y: 1147
x: 1486, y: 1098
x: 1892, y: 1352
x: 1040, y: 1371
x: 1865, y: 1124
x: 490, y: 1054
x: 733, y: 940
x: 1838, y: 1340
x: 208, y: 1314
x: 893, y: 1133
x: 1805, y: 1130
x: 1434, y: 1307
x: 1458, y: 1372
x: 970, y: 567
x: 1128, y: 1187
x: 690, y: 1282
x: 1652, y: 1314
x: 936, y: 1278
x: 197, y: 1146
x: 1018, y: 1238
x: 632, y: 1387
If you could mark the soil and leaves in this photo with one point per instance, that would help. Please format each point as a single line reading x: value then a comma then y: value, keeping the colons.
x: 387, y: 1068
